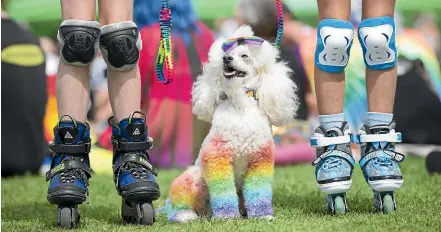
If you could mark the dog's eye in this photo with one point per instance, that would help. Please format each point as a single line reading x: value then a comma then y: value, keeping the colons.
x: 244, y: 56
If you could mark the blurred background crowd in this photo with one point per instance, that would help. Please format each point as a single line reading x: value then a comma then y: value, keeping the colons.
x: 30, y: 60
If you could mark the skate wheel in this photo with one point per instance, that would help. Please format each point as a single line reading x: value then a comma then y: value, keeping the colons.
x: 388, y: 204
x: 143, y: 214
x: 339, y: 205
x: 68, y: 217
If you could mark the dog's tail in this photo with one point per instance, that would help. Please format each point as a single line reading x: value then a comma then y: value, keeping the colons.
x: 164, y: 209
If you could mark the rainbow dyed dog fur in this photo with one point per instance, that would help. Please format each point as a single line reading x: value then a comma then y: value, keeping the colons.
x: 233, y: 174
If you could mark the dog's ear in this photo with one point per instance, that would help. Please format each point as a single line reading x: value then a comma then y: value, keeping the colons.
x: 277, y: 94
x: 205, y: 96
x: 215, y: 54
x: 206, y: 90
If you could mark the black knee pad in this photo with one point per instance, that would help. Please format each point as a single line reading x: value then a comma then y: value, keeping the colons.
x: 120, y: 44
x: 78, y: 41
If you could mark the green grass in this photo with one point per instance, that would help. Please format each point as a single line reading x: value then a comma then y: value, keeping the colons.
x: 299, y: 206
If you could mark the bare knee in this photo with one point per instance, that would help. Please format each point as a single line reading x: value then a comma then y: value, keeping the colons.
x: 115, y: 11
x: 378, y: 8
x: 81, y: 10
x: 334, y: 9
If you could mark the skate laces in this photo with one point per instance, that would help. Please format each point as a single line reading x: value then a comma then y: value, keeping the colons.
x: 70, y: 175
x: 136, y: 170
x: 383, y: 161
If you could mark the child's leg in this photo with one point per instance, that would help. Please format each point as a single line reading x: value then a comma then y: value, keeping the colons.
x: 78, y: 36
x: 381, y: 74
x: 334, y: 161
x: 120, y: 43
x: 329, y: 76
x: 258, y: 183
x: 188, y: 196
x: 218, y: 173
x: 379, y: 161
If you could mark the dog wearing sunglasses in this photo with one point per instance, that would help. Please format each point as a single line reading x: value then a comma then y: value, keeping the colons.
x: 243, y: 91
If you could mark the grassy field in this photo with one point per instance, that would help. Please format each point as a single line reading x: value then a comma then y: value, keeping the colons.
x: 299, y: 206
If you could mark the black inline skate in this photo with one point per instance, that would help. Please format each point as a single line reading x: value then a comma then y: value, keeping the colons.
x: 70, y: 170
x: 134, y: 176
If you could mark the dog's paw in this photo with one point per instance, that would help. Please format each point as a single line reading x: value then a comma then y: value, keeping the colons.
x: 183, y: 216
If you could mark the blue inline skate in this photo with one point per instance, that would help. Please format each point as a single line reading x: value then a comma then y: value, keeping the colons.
x: 334, y: 165
x: 380, y: 164
x: 134, y: 175
x: 70, y: 170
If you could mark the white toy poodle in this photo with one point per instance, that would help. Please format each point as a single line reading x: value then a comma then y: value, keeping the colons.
x: 243, y: 91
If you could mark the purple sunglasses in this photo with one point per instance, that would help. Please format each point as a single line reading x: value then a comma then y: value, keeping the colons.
x: 230, y: 44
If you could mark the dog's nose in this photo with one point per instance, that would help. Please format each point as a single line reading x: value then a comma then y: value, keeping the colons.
x: 228, y: 59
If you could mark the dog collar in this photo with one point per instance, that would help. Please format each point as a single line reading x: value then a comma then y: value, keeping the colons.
x: 249, y: 92
x: 252, y: 93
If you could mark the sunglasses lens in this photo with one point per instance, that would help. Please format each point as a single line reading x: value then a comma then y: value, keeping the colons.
x: 231, y: 43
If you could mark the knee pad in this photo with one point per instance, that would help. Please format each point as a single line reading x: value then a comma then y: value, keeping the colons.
x: 377, y: 39
x: 120, y: 44
x: 334, y: 41
x: 78, y: 41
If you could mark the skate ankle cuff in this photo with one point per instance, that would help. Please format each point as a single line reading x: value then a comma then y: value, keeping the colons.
x: 335, y: 153
x: 67, y: 165
x: 321, y: 141
x: 398, y: 157
x: 392, y: 137
x: 80, y: 148
x: 132, y: 146
x: 134, y: 158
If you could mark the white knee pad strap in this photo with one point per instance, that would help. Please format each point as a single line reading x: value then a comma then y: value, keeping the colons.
x: 377, y: 39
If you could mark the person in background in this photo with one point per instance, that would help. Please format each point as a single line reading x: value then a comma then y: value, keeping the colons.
x: 291, y: 142
x: 178, y: 134
x: 24, y: 99
x: 225, y: 27
x: 294, y: 33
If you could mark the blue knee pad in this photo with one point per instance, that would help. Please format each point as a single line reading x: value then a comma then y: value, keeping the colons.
x: 334, y: 41
x: 377, y: 39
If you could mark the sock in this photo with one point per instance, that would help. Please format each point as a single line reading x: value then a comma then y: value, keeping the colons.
x: 331, y: 120
x: 375, y: 118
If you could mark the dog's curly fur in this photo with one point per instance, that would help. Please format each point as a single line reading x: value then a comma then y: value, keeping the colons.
x: 233, y: 174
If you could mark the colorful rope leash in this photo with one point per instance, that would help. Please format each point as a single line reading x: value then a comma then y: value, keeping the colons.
x: 280, y: 23
x: 164, y: 59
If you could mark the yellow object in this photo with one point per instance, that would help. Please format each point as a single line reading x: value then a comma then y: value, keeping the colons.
x: 27, y: 55
x: 253, y: 93
x: 101, y: 160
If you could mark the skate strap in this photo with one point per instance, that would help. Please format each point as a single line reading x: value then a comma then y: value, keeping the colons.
x: 335, y: 153
x: 392, y: 137
x: 134, y: 158
x: 393, y: 154
x: 66, y: 165
x: 70, y: 148
x: 132, y: 146
x: 321, y: 141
